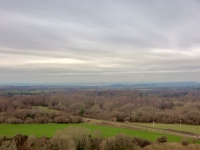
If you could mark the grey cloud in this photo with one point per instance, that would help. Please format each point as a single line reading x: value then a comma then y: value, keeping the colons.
x: 110, y: 38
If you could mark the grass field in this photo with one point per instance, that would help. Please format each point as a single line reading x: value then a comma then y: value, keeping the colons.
x: 183, y: 127
x: 48, y: 130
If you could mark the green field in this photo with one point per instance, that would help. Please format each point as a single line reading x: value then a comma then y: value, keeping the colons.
x: 48, y: 130
x: 178, y: 127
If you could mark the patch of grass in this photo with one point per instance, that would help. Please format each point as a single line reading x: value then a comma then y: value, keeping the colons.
x: 48, y: 130
x: 38, y: 130
x: 45, y: 108
x: 185, y: 128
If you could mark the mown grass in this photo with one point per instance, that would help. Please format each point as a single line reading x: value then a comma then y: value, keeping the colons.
x: 48, y: 130
x: 183, y: 127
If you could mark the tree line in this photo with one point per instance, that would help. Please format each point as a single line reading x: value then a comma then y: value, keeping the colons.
x: 69, y: 105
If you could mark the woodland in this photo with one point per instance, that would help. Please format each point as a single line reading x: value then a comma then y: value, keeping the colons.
x: 33, y: 104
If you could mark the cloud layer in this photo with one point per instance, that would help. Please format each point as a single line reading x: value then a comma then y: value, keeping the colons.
x: 99, y: 41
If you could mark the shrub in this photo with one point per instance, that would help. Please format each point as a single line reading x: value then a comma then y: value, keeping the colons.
x: 39, y: 119
x: 29, y: 120
x: 94, y: 143
x: 41, y: 143
x: 184, y: 142
x: 120, y: 142
x: 3, y: 139
x: 194, y: 140
x: 63, y: 142
x: 14, y: 121
x: 20, y: 140
x: 30, y: 141
x: 75, y: 119
x: 61, y: 119
x: 8, y: 145
x: 162, y: 139
x: 2, y: 119
x: 141, y: 142
x: 81, y: 136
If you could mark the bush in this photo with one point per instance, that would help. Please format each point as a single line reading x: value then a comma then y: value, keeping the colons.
x: 29, y: 120
x: 81, y: 137
x: 3, y: 139
x: 75, y: 119
x: 2, y: 119
x: 62, y: 143
x: 41, y: 143
x: 184, y: 142
x: 30, y: 141
x: 94, y: 143
x: 14, y: 121
x: 61, y: 119
x: 194, y: 140
x: 141, y: 142
x: 162, y: 139
x: 120, y: 142
x: 8, y: 145
x: 20, y: 140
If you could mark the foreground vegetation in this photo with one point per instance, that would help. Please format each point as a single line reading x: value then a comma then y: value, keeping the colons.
x: 171, y: 146
x: 81, y: 138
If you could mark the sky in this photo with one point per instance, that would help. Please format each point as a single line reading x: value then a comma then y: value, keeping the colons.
x: 48, y: 41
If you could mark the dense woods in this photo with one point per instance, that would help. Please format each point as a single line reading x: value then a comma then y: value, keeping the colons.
x: 68, y: 105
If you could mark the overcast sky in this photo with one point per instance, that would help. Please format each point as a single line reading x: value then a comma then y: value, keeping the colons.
x: 99, y: 41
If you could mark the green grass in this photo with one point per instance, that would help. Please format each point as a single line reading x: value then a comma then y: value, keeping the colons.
x: 48, y: 130
x: 185, y: 128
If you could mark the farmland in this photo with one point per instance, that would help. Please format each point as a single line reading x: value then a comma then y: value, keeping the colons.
x: 48, y: 130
